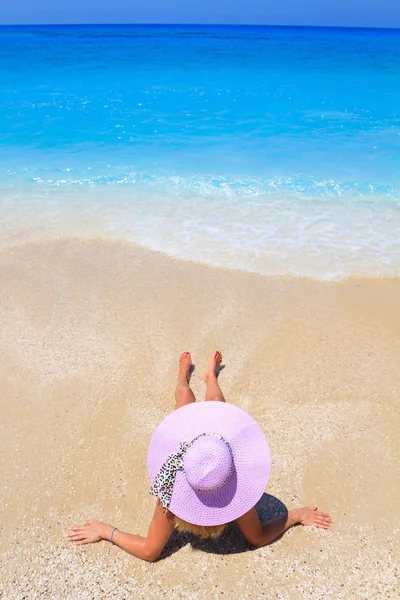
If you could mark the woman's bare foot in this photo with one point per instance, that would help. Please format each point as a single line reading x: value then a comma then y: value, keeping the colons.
x: 310, y: 515
x: 185, y: 362
x: 183, y: 393
x: 213, y: 391
x: 214, y: 365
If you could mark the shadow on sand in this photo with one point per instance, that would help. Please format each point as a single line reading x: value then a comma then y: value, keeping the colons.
x: 231, y: 541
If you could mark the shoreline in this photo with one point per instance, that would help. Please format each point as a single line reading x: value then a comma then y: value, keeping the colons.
x: 90, y: 332
x: 327, y: 239
x: 24, y: 236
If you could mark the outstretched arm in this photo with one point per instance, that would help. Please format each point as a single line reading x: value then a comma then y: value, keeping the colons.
x: 147, y: 548
x: 259, y: 534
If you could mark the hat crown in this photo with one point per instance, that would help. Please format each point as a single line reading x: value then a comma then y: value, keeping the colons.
x: 207, y: 463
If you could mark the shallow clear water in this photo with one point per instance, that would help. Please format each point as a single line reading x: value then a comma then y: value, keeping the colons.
x: 269, y: 149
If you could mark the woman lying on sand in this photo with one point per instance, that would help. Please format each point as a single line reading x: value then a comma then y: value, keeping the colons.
x: 209, y: 463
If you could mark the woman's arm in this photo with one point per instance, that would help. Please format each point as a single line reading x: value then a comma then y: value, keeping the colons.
x: 147, y: 548
x: 259, y: 534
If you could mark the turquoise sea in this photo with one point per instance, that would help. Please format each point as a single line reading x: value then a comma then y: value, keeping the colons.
x: 269, y: 149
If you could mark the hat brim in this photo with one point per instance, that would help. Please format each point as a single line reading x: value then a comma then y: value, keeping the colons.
x: 251, y: 458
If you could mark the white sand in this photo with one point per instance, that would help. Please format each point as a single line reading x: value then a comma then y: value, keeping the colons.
x: 90, y: 332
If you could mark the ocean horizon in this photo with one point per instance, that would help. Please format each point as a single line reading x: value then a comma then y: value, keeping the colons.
x: 272, y: 149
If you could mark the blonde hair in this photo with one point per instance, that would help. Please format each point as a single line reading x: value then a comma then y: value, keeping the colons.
x: 202, y: 531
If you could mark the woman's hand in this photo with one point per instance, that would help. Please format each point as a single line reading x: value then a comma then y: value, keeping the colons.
x: 310, y: 515
x: 92, y: 532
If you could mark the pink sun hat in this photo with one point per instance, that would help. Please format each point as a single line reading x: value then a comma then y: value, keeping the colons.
x: 208, y: 462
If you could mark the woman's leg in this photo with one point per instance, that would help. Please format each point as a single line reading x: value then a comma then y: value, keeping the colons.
x: 183, y: 393
x: 213, y: 391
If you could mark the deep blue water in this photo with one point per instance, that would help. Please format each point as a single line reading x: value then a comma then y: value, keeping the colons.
x: 288, y: 136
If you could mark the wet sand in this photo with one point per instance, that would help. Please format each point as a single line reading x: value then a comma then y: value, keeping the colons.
x: 90, y: 333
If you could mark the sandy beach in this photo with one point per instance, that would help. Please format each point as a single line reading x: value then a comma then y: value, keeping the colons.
x: 90, y: 334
